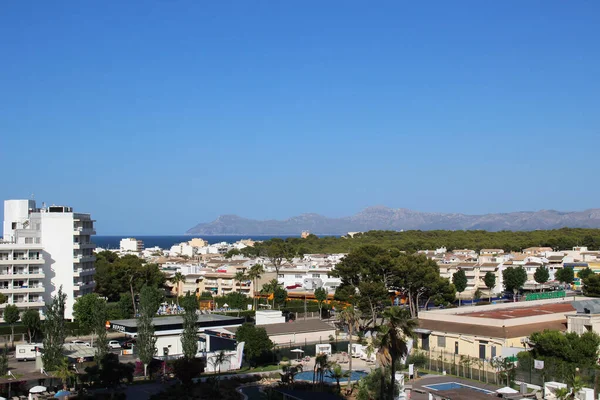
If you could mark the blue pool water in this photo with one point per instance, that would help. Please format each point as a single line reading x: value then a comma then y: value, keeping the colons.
x: 308, y: 376
x: 454, y: 385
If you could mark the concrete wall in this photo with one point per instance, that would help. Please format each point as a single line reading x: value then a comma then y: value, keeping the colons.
x: 301, y: 338
x: 57, y: 239
x: 467, y: 345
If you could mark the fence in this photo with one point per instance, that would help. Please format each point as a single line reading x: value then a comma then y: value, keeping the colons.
x: 502, y: 371
x: 559, y: 294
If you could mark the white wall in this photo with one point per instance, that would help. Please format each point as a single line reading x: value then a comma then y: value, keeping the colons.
x: 266, y: 317
x: 57, y: 239
x: 15, y: 211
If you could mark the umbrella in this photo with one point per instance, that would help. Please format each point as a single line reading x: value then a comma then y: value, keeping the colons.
x: 38, y: 389
x: 61, y: 394
x: 297, y: 351
x: 225, y: 305
x: 507, y: 390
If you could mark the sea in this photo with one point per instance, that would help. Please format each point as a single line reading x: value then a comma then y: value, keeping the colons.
x: 166, y: 241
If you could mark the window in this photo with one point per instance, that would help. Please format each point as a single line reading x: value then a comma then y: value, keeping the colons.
x: 425, y: 342
x: 38, y: 240
x: 280, y: 275
x: 14, y: 225
x: 316, y: 275
x: 441, y: 341
x: 455, y: 347
x: 298, y: 276
x: 28, y: 240
x: 493, y: 351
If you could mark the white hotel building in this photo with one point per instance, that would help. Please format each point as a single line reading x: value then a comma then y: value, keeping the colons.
x: 42, y: 250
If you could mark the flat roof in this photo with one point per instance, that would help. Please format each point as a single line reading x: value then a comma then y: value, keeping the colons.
x: 503, y: 332
x: 311, y: 325
x: 522, y: 312
x: 175, y: 320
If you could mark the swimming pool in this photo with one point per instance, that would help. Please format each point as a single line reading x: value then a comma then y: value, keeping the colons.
x: 308, y: 376
x: 455, y: 385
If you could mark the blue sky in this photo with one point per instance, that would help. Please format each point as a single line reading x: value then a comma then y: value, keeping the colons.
x: 154, y: 116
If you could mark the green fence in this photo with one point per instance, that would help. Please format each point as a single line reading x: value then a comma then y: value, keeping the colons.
x: 558, y: 294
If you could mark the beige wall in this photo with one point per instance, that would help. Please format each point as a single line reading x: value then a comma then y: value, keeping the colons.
x: 467, y: 345
x: 583, y: 323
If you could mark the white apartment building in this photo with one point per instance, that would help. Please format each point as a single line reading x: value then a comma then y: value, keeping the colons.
x: 131, y: 245
x: 44, y: 249
x: 308, y: 278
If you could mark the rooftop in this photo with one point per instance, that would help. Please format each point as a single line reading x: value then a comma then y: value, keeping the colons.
x: 174, y: 320
x: 492, y: 331
x: 521, y: 312
x: 311, y: 325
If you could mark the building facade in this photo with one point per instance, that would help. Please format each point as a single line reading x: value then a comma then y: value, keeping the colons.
x: 131, y: 245
x: 49, y: 248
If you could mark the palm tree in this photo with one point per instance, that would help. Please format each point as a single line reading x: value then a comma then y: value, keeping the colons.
x: 290, y: 372
x: 64, y: 373
x: 177, y: 279
x: 255, y: 274
x: 393, y: 335
x: 349, y: 319
x: 269, y: 288
x: 239, y: 277
x: 219, y: 359
x: 321, y: 365
x: 335, y: 372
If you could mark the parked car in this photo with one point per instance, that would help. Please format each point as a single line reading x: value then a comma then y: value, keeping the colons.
x: 81, y: 342
x: 128, y: 344
x: 114, y: 344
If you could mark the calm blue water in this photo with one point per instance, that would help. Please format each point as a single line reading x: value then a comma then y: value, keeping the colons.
x: 165, y: 242
x: 308, y: 376
x: 454, y: 385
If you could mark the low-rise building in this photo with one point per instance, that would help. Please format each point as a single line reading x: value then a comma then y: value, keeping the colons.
x: 489, y: 331
x: 168, y: 331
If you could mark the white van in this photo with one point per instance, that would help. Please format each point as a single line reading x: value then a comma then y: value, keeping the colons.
x: 26, y: 352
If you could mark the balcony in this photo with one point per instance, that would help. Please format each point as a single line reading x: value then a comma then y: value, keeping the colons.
x: 26, y: 275
x: 78, y: 272
x: 22, y: 289
x: 84, y: 231
x: 84, y: 285
x: 82, y: 246
x: 21, y: 260
x: 83, y: 259
x: 27, y: 303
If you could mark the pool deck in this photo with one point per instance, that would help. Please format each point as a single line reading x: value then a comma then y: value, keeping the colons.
x: 455, y: 394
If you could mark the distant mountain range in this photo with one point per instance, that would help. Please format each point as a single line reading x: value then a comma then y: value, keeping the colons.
x: 385, y: 218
